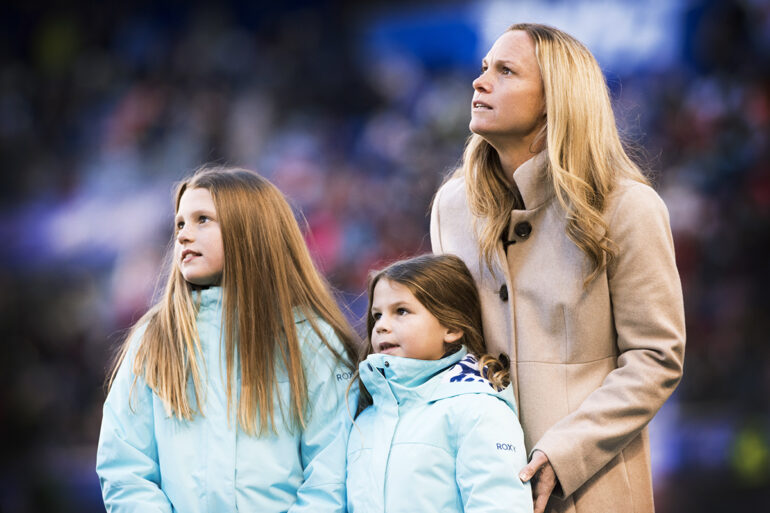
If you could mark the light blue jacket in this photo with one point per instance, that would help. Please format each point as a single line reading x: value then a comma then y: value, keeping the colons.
x: 148, y: 462
x: 438, y: 438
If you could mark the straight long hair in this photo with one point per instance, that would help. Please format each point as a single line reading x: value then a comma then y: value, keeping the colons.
x: 267, y: 276
x: 445, y: 287
x: 585, y: 156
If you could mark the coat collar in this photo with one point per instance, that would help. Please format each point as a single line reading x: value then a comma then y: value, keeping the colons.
x: 533, y: 181
x: 402, y: 377
x: 407, y: 372
x: 407, y: 379
x: 209, y: 297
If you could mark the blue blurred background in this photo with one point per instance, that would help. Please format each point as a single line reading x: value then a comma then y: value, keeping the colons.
x: 356, y: 110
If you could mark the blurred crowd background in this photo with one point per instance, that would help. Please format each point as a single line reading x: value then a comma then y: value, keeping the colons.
x: 357, y: 111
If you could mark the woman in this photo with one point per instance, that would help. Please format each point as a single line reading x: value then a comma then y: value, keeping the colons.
x: 573, y: 256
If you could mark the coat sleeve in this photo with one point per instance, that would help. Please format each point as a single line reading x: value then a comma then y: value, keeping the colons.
x: 490, y: 453
x: 648, y: 315
x: 127, y: 454
x: 323, y: 443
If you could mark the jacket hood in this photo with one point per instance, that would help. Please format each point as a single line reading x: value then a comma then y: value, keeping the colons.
x: 465, y: 377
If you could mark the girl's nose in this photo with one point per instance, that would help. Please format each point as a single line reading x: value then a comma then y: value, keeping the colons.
x: 381, y: 326
x: 184, y: 235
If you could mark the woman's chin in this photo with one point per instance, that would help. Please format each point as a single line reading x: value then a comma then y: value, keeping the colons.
x: 483, y: 130
x: 477, y: 127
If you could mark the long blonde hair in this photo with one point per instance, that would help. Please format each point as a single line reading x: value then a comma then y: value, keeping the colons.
x: 267, y: 275
x: 585, y: 156
x: 445, y: 287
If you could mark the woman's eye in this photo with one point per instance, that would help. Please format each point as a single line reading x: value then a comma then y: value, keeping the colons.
x: 507, y: 71
x: 482, y: 70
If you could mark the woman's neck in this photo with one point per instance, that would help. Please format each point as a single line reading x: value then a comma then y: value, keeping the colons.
x: 513, y: 157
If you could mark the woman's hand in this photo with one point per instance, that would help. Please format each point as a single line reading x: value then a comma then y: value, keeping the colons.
x: 544, y: 479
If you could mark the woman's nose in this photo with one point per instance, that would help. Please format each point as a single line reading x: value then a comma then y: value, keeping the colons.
x: 481, y: 84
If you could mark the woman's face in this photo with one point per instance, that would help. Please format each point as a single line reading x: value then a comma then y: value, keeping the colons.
x: 508, y: 104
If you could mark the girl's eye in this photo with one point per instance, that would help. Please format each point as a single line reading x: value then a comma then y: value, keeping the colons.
x: 376, y: 316
x: 203, y: 219
x: 402, y: 311
x: 179, y: 225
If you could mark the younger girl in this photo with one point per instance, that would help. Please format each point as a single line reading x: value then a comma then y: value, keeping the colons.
x: 227, y: 392
x: 436, y: 429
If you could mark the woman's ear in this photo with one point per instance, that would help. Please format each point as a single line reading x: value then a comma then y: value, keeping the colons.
x: 452, y: 335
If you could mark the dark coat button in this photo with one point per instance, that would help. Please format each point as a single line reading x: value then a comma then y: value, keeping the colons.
x: 503, y: 292
x: 387, y: 363
x: 523, y: 229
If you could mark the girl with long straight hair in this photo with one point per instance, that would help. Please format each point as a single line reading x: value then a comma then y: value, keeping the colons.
x: 574, y: 260
x: 227, y: 393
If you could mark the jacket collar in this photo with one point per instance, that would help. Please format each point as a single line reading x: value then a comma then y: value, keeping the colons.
x: 209, y: 297
x: 407, y: 379
x: 533, y: 181
x: 402, y: 377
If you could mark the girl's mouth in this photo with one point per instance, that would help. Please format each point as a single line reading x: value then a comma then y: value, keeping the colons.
x: 188, y: 255
x: 387, y: 346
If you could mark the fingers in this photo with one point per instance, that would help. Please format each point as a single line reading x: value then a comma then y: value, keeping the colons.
x: 538, y: 460
x: 528, y: 471
x: 541, y: 501
x: 543, y: 485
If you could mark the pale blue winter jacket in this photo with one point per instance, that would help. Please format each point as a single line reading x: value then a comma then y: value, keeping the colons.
x: 149, y: 462
x: 438, y: 438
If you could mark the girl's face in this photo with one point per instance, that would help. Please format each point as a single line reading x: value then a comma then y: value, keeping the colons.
x: 404, y: 327
x: 198, y: 248
x: 508, y: 103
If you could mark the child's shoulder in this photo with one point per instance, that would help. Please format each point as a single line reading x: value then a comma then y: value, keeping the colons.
x: 317, y: 339
x: 135, y: 338
x: 308, y: 327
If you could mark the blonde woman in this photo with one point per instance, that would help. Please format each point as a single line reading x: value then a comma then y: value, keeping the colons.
x: 227, y: 393
x: 573, y: 256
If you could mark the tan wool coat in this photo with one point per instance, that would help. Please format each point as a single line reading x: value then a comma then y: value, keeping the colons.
x: 591, y: 366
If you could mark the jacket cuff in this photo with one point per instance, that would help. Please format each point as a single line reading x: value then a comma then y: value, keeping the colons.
x: 569, y: 474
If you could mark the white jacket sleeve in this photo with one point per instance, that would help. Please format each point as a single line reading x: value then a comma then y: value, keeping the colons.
x: 324, y: 439
x: 127, y: 454
x: 490, y: 454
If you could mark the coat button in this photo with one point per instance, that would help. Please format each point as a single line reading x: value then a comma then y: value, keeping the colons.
x: 503, y: 292
x: 370, y: 366
x: 387, y: 363
x: 523, y: 229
